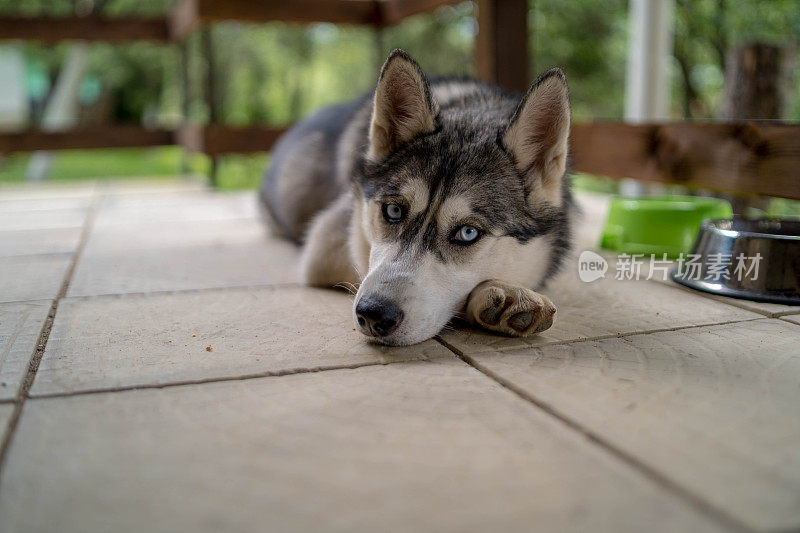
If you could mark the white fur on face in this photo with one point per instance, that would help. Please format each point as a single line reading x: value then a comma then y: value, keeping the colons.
x: 519, y: 264
x: 429, y: 292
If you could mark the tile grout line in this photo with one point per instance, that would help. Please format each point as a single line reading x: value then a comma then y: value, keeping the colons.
x: 256, y: 286
x: 733, y: 302
x: 229, y: 288
x: 697, y: 502
x: 224, y: 379
x: 44, y: 334
x: 352, y: 366
x: 622, y: 335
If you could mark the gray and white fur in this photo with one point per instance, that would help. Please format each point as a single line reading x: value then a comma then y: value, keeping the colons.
x: 436, y: 198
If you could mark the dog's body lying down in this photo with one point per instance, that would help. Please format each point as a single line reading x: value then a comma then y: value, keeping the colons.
x: 436, y: 199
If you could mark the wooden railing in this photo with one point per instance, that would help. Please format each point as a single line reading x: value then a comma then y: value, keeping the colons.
x: 750, y: 158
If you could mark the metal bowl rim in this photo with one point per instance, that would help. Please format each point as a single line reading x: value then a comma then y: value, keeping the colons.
x: 709, y: 225
x: 730, y: 292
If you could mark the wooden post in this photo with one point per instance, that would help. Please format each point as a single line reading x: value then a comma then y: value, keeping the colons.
x: 501, y: 47
x: 210, y: 93
x: 186, y: 90
x: 756, y: 83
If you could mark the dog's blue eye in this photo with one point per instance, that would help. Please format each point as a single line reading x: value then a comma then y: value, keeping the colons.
x: 393, y: 212
x: 467, y: 235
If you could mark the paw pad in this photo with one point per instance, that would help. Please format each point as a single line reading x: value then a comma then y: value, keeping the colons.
x: 521, y: 321
x: 494, y: 310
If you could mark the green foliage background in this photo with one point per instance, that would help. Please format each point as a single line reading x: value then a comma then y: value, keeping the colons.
x: 276, y: 73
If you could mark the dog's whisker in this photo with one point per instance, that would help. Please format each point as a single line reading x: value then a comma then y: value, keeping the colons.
x: 349, y: 287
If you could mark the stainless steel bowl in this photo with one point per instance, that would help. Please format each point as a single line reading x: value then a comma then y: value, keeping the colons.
x: 726, y: 248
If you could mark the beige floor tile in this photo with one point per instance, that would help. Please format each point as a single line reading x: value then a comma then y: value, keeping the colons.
x: 176, y: 207
x: 47, y: 191
x: 42, y: 220
x: 159, y: 185
x: 35, y: 277
x: 35, y: 242
x: 133, y: 198
x: 763, y: 308
x: 147, y: 265
x: 607, y: 307
x: 5, y: 417
x: 427, y: 446
x: 37, y: 205
x: 714, y: 408
x: 20, y: 325
x: 180, y: 241
x: 794, y: 319
x: 142, y: 340
x: 128, y: 239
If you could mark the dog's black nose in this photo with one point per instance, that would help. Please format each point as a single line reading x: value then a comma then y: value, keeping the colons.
x: 378, y: 317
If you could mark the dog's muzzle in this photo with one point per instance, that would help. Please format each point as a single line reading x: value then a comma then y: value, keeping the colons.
x: 378, y: 317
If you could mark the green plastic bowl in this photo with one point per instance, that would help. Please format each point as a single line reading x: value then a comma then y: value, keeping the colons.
x: 659, y: 225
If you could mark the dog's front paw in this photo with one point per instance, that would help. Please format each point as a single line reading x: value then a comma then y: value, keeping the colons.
x: 504, y: 308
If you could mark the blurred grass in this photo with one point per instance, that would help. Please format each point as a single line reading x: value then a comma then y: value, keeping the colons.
x: 74, y: 165
x: 235, y: 172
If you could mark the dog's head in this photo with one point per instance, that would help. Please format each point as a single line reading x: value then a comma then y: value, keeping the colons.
x: 455, y: 192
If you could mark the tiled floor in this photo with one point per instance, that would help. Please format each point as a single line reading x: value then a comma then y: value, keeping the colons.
x: 189, y: 383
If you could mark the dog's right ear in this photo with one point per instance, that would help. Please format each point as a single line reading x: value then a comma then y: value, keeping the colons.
x: 403, y: 107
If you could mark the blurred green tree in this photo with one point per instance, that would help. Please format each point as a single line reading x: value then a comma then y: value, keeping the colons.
x: 275, y: 73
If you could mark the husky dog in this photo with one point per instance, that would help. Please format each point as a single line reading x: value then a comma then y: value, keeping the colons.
x: 437, y: 199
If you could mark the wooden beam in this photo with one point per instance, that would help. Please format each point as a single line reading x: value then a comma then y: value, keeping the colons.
x: 216, y: 139
x: 84, y: 138
x: 501, y: 46
x: 746, y: 157
x: 394, y: 11
x: 227, y: 139
x: 189, y: 14
x: 91, y: 28
x: 336, y: 11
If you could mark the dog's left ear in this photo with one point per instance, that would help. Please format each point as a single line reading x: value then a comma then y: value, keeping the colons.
x: 537, y: 136
x: 403, y: 107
